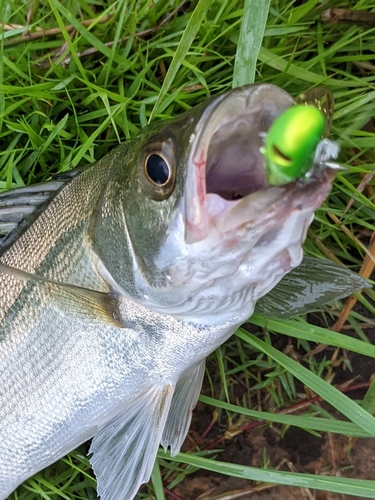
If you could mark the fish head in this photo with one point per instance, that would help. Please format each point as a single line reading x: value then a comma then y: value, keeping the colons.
x: 205, y: 235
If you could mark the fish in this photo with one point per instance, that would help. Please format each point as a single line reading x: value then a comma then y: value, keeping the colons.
x: 118, y: 280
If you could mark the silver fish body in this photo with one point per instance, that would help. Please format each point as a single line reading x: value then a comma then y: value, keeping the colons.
x: 117, y: 290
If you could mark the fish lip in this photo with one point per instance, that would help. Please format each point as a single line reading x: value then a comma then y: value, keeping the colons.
x: 275, y: 202
x: 204, y: 210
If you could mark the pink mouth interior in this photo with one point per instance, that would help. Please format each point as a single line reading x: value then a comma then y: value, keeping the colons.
x: 234, y: 166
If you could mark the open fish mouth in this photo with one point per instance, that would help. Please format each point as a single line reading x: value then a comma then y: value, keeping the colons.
x: 226, y: 181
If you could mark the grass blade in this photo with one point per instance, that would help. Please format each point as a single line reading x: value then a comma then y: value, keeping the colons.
x: 301, y: 330
x: 361, y: 488
x: 157, y: 481
x: 187, y: 38
x: 312, y: 423
x: 250, y: 40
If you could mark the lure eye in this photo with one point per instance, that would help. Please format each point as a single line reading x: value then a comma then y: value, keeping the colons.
x: 157, y: 169
x: 280, y: 156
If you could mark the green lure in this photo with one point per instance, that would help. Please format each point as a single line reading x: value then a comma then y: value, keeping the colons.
x: 293, y: 143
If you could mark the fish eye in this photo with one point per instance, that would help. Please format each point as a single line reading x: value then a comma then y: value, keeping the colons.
x: 157, y: 169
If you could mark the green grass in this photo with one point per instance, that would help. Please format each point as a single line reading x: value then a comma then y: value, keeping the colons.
x: 60, y: 109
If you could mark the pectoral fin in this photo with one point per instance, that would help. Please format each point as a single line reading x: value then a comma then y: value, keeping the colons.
x: 183, y: 403
x: 75, y: 298
x: 124, y: 451
x: 313, y: 284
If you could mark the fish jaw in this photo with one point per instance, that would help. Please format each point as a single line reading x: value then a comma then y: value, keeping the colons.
x: 226, y: 166
x: 234, y: 236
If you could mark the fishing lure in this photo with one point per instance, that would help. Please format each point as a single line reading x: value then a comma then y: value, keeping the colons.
x: 294, y: 147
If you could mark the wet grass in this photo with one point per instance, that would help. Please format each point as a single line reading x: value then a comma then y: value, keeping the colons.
x: 109, y: 68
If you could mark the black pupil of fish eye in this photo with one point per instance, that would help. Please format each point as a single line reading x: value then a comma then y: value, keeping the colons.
x: 157, y: 169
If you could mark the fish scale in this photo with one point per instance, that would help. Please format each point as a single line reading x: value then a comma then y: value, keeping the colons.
x: 116, y: 287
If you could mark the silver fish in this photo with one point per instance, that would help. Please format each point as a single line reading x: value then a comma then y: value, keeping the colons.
x: 123, y: 278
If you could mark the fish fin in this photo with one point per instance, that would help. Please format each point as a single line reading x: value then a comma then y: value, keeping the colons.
x: 19, y: 207
x: 83, y: 301
x: 183, y: 403
x: 310, y: 286
x: 124, y: 451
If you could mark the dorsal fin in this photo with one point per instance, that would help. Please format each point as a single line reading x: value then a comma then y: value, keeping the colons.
x: 19, y: 208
